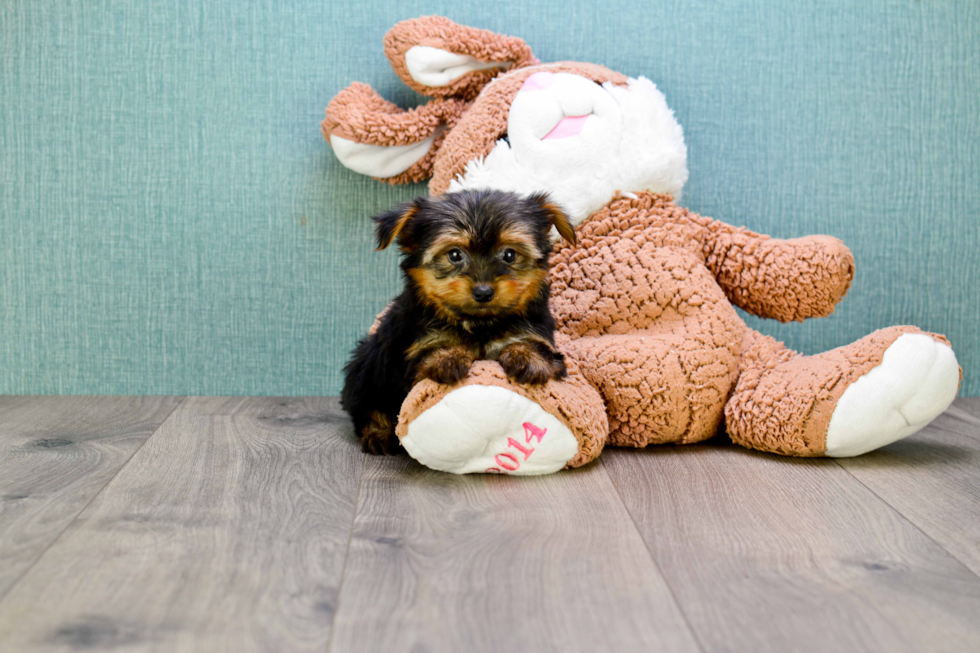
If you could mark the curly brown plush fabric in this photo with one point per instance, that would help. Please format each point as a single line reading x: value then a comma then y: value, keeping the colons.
x: 782, y: 279
x: 573, y: 401
x: 786, y: 280
x: 783, y: 401
x: 650, y: 326
x: 643, y: 306
x: 444, y: 34
x: 644, y: 302
x: 359, y: 114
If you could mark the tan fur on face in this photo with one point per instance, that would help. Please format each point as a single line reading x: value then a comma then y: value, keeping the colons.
x: 445, y: 242
x: 520, y: 240
x: 453, y: 295
x: 515, y: 292
x: 443, y: 294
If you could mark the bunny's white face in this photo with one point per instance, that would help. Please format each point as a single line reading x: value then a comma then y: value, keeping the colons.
x: 563, y: 118
x: 582, y: 142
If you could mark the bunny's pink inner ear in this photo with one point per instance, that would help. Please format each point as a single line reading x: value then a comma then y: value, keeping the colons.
x: 374, y: 137
x: 436, y: 57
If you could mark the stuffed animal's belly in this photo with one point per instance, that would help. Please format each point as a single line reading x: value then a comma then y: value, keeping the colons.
x: 658, y: 338
x: 628, y: 287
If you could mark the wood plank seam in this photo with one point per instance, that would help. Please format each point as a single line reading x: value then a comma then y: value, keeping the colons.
x: 89, y: 502
x: 801, y: 562
x: 646, y: 546
x: 350, y: 537
x: 909, y: 520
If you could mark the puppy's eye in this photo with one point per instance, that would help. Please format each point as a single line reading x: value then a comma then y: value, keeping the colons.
x: 455, y: 256
x: 509, y: 255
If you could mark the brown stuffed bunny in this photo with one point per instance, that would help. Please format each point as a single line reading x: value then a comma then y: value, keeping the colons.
x: 644, y: 301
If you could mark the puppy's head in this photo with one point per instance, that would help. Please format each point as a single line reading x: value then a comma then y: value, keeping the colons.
x: 475, y: 254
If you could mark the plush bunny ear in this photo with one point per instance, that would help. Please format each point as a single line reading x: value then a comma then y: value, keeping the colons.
x: 439, y: 58
x: 374, y: 137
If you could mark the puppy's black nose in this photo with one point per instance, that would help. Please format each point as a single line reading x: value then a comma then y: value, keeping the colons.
x: 483, y: 292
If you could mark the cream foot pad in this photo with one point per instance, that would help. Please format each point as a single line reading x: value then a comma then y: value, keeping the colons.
x: 488, y: 429
x: 916, y: 381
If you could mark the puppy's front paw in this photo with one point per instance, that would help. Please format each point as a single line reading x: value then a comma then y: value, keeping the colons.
x: 523, y: 363
x: 447, y: 366
x: 378, y: 437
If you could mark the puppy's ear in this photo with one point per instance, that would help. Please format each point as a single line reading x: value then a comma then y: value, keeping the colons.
x: 556, y: 217
x: 391, y: 224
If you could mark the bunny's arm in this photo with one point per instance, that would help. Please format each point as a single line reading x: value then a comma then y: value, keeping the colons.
x: 786, y: 280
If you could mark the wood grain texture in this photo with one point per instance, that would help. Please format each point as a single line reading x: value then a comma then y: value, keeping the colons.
x: 229, y: 528
x: 777, y: 554
x: 483, y: 563
x: 226, y: 532
x: 933, y: 479
x: 56, y: 454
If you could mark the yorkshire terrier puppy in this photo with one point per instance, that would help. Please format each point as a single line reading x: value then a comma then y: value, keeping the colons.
x: 475, y: 265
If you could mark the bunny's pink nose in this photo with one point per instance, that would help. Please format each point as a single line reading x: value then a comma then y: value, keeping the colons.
x: 538, y: 81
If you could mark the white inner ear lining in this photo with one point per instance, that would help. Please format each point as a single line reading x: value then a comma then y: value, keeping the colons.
x: 434, y: 67
x: 381, y: 161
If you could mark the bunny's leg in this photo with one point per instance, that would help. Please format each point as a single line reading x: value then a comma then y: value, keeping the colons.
x: 660, y: 385
x: 843, y: 402
x: 488, y: 423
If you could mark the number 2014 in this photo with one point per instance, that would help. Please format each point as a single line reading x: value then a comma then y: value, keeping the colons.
x: 507, y: 461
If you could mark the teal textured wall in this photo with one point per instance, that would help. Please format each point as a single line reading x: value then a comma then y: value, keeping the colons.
x: 171, y: 220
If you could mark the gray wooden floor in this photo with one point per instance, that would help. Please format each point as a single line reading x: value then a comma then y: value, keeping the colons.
x: 208, y: 524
